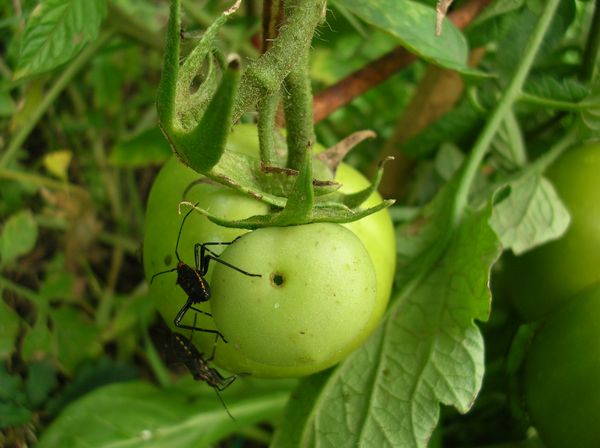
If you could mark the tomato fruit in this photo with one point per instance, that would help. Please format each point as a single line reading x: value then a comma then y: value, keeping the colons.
x: 563, y: 375
x: 162, y: 226
x: 542, y: 280
x: 315, y: 296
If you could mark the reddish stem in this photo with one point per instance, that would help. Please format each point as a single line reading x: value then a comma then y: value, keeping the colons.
x: 354, y: 85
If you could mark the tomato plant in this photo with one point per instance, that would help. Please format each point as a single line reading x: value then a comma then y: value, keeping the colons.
x: 546, y: 277
x: 95, y: 95
x: 375, y: 232
x: 563, y: 374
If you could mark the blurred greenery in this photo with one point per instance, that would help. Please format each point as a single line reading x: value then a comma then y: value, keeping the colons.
x: 80, y: 147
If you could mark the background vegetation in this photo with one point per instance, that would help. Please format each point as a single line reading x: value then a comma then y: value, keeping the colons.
x: 83, y: 355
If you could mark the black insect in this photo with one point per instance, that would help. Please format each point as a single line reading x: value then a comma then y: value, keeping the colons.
x: 192, y: 281
x: 187, y: 353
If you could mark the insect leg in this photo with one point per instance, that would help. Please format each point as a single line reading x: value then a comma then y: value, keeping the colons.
x: 184, y: 309
x: 202, y: 259
x: 200, y: 250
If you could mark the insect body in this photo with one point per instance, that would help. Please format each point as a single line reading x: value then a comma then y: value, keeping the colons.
x: 186, y: 352
x: 192, y: 279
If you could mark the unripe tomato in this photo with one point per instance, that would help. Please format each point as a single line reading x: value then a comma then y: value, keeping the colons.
x: 162, y: 226
x: 563, y: 375
x: 314, y: 299
x: 542, y: 280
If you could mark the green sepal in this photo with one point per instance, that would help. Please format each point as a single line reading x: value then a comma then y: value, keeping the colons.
x: 338, y: 215
x: 211, y: 132
x: 202, y: 119
x: 270, y: 185
x: 353, y: 200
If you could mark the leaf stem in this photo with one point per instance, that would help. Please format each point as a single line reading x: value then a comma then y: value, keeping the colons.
x: 61, y: 83
x: 557, y: 104
x: 512, y: 92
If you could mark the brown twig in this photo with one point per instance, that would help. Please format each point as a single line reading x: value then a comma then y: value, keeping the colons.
x: 344, y: 91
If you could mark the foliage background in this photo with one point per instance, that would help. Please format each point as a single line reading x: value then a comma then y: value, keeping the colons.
x: 81, y: 347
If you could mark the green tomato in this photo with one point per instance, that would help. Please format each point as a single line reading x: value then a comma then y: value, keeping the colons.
x: 542, y: 280
x: 563, y: 375
x: 163, y: 223
x: 313, y: 301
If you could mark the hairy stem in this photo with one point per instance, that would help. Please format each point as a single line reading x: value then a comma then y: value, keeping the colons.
x: 265, y: 75
x: 297, y: 102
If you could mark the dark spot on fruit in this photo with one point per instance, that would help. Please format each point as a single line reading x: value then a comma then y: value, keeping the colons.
x: 168, y: 259
x: 277, y: 279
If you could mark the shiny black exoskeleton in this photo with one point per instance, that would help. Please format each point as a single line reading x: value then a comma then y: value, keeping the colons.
x: 192, y: 280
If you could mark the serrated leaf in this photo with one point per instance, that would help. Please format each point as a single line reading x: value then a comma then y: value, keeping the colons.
x: 550, y: 87
x: 531, y: 215
x: 18, y: 236
x: 146, y: 148
x: 56, y: 31
x: 414, y: 25
x: 137, y: 414
x: 427, y: 351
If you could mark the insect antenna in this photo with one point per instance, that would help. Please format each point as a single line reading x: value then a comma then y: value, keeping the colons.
x: 176, y: 246
x: 180, y: 230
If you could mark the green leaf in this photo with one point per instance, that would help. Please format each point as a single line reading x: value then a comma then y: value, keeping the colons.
x: 497, y: 8
x: 18, y: 237
x: 427, y: 351
x: 137, y: 414
x: 148, y: 147
x: 38, y: 342
x: 9, y: 327
x: 196, y: 124
x: 550, y: 87
x: 92, y: 375
x: 56, y: 31
x: 531, y: 215
x: 508, y: 144
x: 41, y: 379
x: 414, y: 26
x: 13, y: 411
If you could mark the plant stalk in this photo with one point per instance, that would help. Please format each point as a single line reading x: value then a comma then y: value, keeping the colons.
x: 510, y: 96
